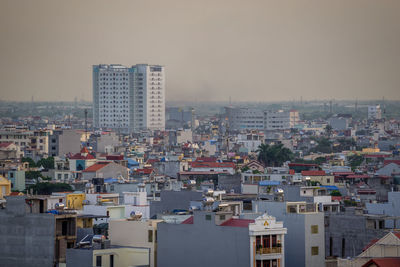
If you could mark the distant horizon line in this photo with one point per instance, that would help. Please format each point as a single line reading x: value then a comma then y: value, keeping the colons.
x: 217, y: 101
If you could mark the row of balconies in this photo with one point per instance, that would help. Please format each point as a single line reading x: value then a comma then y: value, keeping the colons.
x: 270, y: 250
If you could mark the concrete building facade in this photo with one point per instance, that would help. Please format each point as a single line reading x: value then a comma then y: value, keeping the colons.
x: 203, y: 243
x: 129, y: 98
x: 304, y: 241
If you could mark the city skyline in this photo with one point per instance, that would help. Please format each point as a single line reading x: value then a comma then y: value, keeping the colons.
x: 254, y: 51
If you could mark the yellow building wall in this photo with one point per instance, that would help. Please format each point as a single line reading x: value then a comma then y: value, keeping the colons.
x: 370, y: 150
x: 75, y: 201
x: 5, y: 187
x: 323, y: 180
x: 84, y: 222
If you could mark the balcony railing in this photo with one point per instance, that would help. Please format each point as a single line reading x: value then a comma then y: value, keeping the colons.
x: 269, y: 250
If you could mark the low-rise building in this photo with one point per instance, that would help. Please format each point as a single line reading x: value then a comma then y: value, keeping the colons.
x: 33, y: 235
x: 5, y: 187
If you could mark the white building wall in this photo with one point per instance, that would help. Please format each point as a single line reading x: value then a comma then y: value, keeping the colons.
x: 129, y: 98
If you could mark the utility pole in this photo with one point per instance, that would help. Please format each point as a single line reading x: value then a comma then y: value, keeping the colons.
x: 86, y: 130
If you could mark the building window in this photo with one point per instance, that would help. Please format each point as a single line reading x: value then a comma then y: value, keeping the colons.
x: 98, y: 261
x: 208, y: 217
x: 314, y: 251
x: 111, y: 260
x: 328, y: 180
x: 314, y: 229
x: 222, y: 217
x: 150, y: 235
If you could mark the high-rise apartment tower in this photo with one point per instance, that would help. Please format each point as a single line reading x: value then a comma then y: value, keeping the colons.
x: 129, y: 98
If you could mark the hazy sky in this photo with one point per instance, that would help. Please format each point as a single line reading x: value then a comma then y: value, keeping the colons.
x: 253, y: 50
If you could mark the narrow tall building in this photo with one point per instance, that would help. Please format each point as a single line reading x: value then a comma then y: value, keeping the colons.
x: 129, y: 98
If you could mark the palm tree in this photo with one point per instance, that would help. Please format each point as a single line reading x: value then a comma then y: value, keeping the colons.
x: 328, y: 130
x: 274, y: 155
x: 282, y: 154
x: 264, y: 154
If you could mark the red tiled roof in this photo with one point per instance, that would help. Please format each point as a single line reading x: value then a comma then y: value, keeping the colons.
x: 196, y: 164
x: 343, y: 173
x: 114, y: 157
x: 5, y: 144
x: 291, y: 171
x: 373, y: 241
x: 303, y: 164
x: 84, y: 150
x: 81, y: 156
x: 144, y: 171
x: 376, y: 156
x: 96, y: 167
x: 358, y: 176
x: 151, y: 161
x: 188, y: 220
x: 388, y: 161
x: 397, y: 234
x: 199, y: 173
x: 313, y: 173
x: 383, y: 262
x: 206, y: 159
x: 237, y: 223
x: 366, y: 191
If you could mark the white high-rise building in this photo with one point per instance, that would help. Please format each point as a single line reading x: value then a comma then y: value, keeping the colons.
x: 129, y: 98
x: 374, y: 112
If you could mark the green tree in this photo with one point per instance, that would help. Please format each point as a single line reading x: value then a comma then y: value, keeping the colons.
x: 328, y: 130
x: 274, y: 155
x: 323, y: 146
x: 32, y: 164
x: 319, y: 160
x: 47, y: 163
x: 336, y: 193
x: 264, y: 154
x: 49, y: 188
x: 355, y: 161
x: 33, y: 175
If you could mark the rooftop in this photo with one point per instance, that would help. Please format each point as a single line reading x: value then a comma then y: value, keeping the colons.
x: 237, y: 222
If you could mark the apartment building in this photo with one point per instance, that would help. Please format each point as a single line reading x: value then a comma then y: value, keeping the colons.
x: 129, y: 98
x: 374, y: 112
x: 136, y: 233
x: 30, y: 142
x: 244, y: 118
x: 267, y: 242
x: 221, y: 239
x: 305, y: 239
x: 258, y: 119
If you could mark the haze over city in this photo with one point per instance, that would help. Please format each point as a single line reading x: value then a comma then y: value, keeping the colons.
x: 212, y: 50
